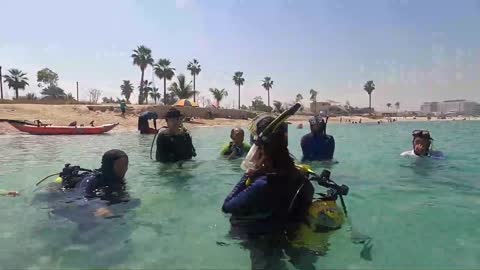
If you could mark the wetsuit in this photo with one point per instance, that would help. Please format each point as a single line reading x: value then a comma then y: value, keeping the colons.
x: 173, y: 148
x: 317, y: 147
x: 143, y: 125
x: 239, y: 151
x: 262, y: 212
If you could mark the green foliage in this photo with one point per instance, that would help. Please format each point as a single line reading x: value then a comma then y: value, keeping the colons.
x: 170, y: 99
x: 243, y: 107
x: 154, y: 94
x: 267, y: 83
x: 53, y: 92
x: 194, y: 68
x: 182, y: 89
x: 16, y: 80
x: 258, y: 105
x: 239, y: 80
x: 218, y: 95
x: 110, y: 100
x: 163, y: 71
x: 278, y: 106
x: 298, y: 98
x: 127, y: 89
x: 369, y: 87
x: 46, y: 77
x: 142, y: 57
x: 31, y: 96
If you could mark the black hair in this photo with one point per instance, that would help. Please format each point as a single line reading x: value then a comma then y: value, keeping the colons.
x: 233, y: 131
x: 108, y: 161
x: 276, y: 147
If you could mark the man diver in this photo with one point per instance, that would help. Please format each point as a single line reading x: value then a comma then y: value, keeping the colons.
x: 422, y: 145
x: 174, y: 142
x: 237, y: 147
x: 317, y: 145
x: 143, y: 125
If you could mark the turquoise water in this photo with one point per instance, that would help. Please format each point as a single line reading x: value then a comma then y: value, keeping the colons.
x: 421, y: 214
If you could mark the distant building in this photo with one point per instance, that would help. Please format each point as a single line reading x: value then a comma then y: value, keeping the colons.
x: 316, y: 107
x: 459, y: 106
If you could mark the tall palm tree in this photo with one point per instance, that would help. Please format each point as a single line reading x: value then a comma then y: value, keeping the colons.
x: 397, y: 106
x: 147, y: 89
x: 154, y: 94
x: 267, y: 83
x: 239, y: 80
x: 142, y: 57
x: 16, y: 80
x: 182, y: 89
x: 195, y: 69
x: 164, y: 71
x: 218, y: 95
x: 389, y: 105
x: 298, y: 98
x: 313, y: 98
x: 369, y: 87
x: 127, y: 89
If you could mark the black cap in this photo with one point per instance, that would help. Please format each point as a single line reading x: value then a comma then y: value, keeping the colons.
x: 173, y: 113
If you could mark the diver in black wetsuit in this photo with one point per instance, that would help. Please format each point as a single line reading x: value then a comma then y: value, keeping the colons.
x: 174, y: 143
x: 270, y: 199
x: 143, y: 125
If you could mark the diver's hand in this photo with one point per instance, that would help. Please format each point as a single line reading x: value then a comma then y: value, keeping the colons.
x: 103, y: 212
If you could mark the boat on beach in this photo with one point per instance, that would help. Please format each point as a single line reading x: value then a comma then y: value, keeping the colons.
x: 59, y: 130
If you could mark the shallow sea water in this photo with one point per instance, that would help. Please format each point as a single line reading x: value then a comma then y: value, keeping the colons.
x: 421, y: 213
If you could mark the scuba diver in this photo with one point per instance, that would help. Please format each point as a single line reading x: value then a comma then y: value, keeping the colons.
x: 174, y: 142
x: 422, y: 146
x: 271, y: 207
x: 143, y: 125
x: 317, y: 145
x: 237, y: 147
x: 107, y: 183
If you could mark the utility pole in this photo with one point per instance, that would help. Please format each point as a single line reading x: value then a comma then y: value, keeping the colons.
x: 1, y: 84
x: 77, y: 93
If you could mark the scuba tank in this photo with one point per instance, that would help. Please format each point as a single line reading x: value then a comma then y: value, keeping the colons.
x: 69, y: 176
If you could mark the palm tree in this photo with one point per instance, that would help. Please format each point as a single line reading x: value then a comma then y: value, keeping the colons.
x: 389, y: 105
x: 154, y: 94
x: 298, y: 98
x: 195, y: 69
x: 181, y: 89
x: 313, y: 98
x: 16, y: 80
x: 142, y: 57
x: 218, y: 95
x: 369, y: 87
x: 267, y: 83
x: 147, y: 89
x: 165, y: 72
x: 239, y: 80
x: 127, y: 89
x: 397, y: 106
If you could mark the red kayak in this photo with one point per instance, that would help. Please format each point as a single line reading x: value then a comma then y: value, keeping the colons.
x: 60, y: 130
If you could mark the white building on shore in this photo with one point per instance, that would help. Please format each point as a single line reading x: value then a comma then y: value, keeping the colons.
x: 459, y: 106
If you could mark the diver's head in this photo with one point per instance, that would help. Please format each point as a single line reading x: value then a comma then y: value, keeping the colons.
x: 318, y: 125
x: 273, y: 151
x: 237, y: 135
x: 421, y: 142
x: 173, y: 118
x: 114, y: 164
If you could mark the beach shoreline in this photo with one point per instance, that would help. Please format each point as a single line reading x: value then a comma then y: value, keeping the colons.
x: 65, y: 114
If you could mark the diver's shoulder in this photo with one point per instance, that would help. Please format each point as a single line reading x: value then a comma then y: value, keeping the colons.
x: 437, y: 154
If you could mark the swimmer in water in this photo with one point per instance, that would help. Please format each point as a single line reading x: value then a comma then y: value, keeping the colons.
x: 237, y: 147
x: 422, y: 145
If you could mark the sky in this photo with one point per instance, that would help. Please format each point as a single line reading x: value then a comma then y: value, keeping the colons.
x: 414, y: 51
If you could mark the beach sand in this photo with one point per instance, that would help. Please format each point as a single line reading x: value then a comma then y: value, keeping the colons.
x: 65, y: 114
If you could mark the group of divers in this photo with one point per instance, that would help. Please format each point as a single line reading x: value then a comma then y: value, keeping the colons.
x: 273, y: 208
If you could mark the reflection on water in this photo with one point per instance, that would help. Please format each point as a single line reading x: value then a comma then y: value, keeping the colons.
x: 408, y: 206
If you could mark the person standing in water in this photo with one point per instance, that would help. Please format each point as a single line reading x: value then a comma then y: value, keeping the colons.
x: 317, y: 145
x: 174, y: 142
x: 143, y: 125
x: 237, y: 147
x: 272, y: 196
x: 422, y: 145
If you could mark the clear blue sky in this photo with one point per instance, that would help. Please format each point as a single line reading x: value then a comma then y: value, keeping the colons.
x: 415, y: 51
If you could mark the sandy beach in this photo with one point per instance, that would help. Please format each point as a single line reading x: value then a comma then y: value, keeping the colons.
x: 64, y: 114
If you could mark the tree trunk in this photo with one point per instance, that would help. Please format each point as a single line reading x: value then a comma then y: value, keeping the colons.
x: 164, y: 91
x: 1, y: 84
x: 140, y: 95
x: 268, y: 93
x: 370, y: 102
x: 16, y: 93
x: 239, y: 96
x: 194, y: 87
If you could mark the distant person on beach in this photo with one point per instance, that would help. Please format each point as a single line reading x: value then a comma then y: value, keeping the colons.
x: 236, y: 147
x: 317, y: 145
x: 174, y: 142
x: 123, y: 107
x: 422, y: 145
x: 144, y: 126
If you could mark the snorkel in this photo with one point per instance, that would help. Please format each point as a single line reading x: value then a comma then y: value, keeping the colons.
x: 265, y: 135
